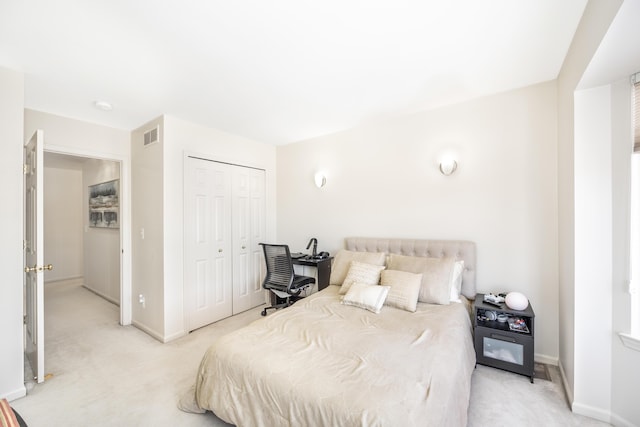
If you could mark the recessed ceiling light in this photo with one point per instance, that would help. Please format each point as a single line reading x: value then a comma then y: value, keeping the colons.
x: 103, y: 105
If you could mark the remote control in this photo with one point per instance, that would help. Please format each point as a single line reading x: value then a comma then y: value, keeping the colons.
x: 495, y: 304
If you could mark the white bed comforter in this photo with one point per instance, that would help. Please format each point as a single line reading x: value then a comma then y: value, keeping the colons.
x: 321, y: 363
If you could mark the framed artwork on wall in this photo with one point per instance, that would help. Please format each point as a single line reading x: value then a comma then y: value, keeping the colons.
x: 104, y: 204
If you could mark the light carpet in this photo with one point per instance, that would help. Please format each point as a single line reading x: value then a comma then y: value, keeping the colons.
x: 103, y: 374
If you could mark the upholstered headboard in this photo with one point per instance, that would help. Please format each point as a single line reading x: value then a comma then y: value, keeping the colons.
x: 460, y: 249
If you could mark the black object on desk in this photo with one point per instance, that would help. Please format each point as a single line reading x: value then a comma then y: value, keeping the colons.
x: 322, y: 265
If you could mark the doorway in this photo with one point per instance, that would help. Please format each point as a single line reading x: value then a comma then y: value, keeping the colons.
x: 79, y: 249
x: 105, y: 167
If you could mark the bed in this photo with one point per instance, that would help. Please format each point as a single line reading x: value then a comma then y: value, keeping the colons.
x: 323, y: 362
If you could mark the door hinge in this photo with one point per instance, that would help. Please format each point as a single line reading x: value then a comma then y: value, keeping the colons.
x: 25, y: 168
x: 24, y: 319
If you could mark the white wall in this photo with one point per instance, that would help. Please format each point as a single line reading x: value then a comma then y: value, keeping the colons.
x: 159, y: 209
x: 11, y: 220
x: 101, y: 246
x: 75, y: 135
x: 147, y: 231
x: 383, y: 180
x: 593, y: 252
x: 63, y: 223
x: 625, y: 374
x: 606, y: 372
x: 590, y: 32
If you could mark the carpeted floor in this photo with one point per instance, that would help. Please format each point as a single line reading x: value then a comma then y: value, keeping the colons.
x: 102, y: 374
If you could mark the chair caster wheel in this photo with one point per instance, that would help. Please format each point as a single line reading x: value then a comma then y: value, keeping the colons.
x: 264, y: 312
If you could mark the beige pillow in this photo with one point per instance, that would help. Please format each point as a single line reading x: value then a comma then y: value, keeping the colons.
x: 456, y: 281
x: 367, y: 274
x: 436, y: 276
x: 342, y: 263
x: 366, y: 296
x: 405, y: 288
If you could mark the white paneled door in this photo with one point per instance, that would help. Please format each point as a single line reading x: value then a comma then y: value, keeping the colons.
x: 224, y: 222
x: 208, y: 258
x: 248, y: 231
x: 33, y: 255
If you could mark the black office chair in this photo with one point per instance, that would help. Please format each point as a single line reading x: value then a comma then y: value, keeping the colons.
x: 281, y: 280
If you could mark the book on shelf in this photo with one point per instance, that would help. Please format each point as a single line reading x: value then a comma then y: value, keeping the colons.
x: 518, y: 324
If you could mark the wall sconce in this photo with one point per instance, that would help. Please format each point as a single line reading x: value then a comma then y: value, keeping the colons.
x: 448, y: 166
x: 320, y: 179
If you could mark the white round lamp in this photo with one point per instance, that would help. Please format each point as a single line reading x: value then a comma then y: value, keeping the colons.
x: 516, y: 301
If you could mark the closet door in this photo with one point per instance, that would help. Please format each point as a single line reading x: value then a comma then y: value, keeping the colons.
x: 248, y: 231
x: 208, y: 244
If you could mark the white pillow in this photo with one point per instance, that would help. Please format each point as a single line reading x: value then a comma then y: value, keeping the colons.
x: 436, y: 276
x: 405, y: 288
x: 342, y: 263
x: 456, y: 281
x: 360, y: 272
x: 369, y: 297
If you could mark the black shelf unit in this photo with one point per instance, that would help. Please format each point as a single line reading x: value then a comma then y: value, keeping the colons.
x: 497, y: 344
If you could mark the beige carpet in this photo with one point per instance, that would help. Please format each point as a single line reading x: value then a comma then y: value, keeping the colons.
x: 103, y: 374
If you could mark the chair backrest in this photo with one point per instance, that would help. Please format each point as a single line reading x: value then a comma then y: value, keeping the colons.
x: 280, y: 272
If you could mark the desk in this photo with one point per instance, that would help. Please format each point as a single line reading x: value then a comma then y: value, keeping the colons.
x: 322, y: 266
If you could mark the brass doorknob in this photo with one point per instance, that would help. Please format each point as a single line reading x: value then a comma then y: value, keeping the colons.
x: 36, y: 268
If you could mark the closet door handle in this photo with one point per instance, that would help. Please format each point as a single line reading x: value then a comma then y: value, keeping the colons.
x: 220, y: 250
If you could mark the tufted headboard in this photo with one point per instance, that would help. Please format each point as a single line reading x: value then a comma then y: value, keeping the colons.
x: 460, y: 249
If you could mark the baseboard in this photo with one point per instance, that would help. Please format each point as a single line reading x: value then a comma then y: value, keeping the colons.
x: 144, y: 328
x: 547, y: 360
x: 71, y: 280
x: 621, y: 422
x: 591, y: 412
x: 568, y: 392
x: 587, y: 411
x: 15, y: 394
x: 100, y: 294
x: 174, y: 336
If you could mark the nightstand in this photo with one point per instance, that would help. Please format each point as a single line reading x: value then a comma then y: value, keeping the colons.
x: 504, y: 338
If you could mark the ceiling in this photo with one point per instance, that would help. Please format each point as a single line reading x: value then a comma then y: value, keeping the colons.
x: 277, y: 71
x: 618, y: 56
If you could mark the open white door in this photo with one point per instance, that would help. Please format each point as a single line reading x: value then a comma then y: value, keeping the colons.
x: 33, y: 255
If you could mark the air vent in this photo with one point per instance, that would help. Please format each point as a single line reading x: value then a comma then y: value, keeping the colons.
x: 151, y: 136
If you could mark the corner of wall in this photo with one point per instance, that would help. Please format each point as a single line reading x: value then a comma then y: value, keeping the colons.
x: 11, y: 224
x: 147, y: 237
x: 568, y: 391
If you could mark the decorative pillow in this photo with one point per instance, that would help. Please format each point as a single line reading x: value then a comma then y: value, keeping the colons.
x: 436, y: 276
x: 7, y: 417
x: 405, y: 288
x: 342, y: 263
x: 456, y: 281
x: 360, y: 272
x: 369, y: 297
